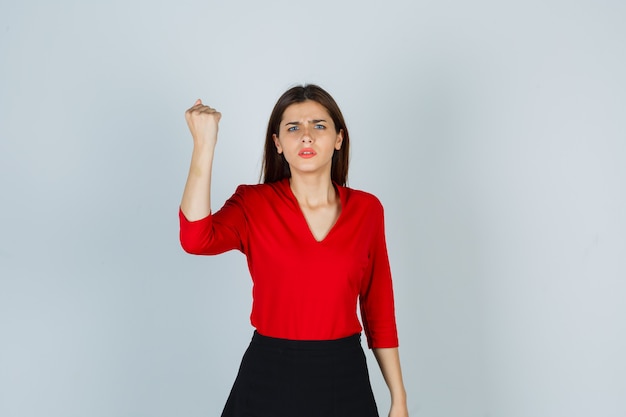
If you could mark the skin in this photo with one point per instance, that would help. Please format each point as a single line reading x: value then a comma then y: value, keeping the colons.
x: 203, y: 123
x: 304, y: 125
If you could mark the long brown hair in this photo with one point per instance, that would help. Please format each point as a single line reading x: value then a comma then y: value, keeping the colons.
x: 275, y: 166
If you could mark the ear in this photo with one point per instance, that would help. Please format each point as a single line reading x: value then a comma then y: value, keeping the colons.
x: 339, y: 140
x: 277, y: 143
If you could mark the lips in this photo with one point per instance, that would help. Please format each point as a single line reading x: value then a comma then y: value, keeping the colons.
x: 307, y: 153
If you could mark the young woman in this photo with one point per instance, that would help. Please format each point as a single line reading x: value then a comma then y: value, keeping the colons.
x: 314, y: 248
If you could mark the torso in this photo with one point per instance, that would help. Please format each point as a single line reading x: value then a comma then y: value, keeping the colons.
x: 307, y: 278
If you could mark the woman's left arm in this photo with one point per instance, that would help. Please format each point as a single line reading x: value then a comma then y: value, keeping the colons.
x: 389, y: 361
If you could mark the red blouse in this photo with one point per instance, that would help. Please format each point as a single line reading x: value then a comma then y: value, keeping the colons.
x: 304, y: 289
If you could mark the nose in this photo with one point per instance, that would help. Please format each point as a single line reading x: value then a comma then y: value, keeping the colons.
x: 306, y: 135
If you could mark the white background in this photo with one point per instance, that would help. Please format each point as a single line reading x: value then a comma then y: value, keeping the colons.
x: 494, y: 133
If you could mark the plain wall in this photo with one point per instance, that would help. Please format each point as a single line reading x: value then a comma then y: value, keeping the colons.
x: 493, y: 132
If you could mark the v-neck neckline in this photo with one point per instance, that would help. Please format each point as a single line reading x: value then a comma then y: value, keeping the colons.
x: 340, y: 195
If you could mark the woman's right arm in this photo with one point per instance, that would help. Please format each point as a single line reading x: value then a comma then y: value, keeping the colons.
x: 203, y: 124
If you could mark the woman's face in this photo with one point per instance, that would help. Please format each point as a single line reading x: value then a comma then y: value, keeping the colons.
x: 307, y: 138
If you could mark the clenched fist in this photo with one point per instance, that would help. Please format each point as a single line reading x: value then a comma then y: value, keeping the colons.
x: 203, y: 124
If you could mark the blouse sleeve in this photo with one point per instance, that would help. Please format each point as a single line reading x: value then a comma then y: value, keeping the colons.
x: 376, y: 298
x: 218, y: 232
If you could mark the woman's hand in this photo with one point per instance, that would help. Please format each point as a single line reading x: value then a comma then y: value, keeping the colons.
x: 203, y: 124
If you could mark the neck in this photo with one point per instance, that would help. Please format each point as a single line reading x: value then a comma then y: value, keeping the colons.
x: 313, y: 191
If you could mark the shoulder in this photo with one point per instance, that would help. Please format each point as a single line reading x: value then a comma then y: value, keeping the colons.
x: 361, y: 199
x: 251, y: 192
x: 267, y: 188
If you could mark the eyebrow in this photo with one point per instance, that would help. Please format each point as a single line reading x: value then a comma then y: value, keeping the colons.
x: 314, y: 121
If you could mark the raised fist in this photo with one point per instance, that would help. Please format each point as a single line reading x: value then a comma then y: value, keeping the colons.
x: 203, y: 123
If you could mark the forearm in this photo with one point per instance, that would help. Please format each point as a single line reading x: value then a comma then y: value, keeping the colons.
x: 196, y: 201
x: 389, y: 362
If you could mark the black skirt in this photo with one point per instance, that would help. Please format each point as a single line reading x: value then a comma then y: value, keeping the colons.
x: 289, y: 378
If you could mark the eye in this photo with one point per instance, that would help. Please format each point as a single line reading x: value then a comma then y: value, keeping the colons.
x: 292, y: 129
x: 318, y: 126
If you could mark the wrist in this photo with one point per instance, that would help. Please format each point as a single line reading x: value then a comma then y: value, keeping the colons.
x: 203, y: 147
x: 398, y: 396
